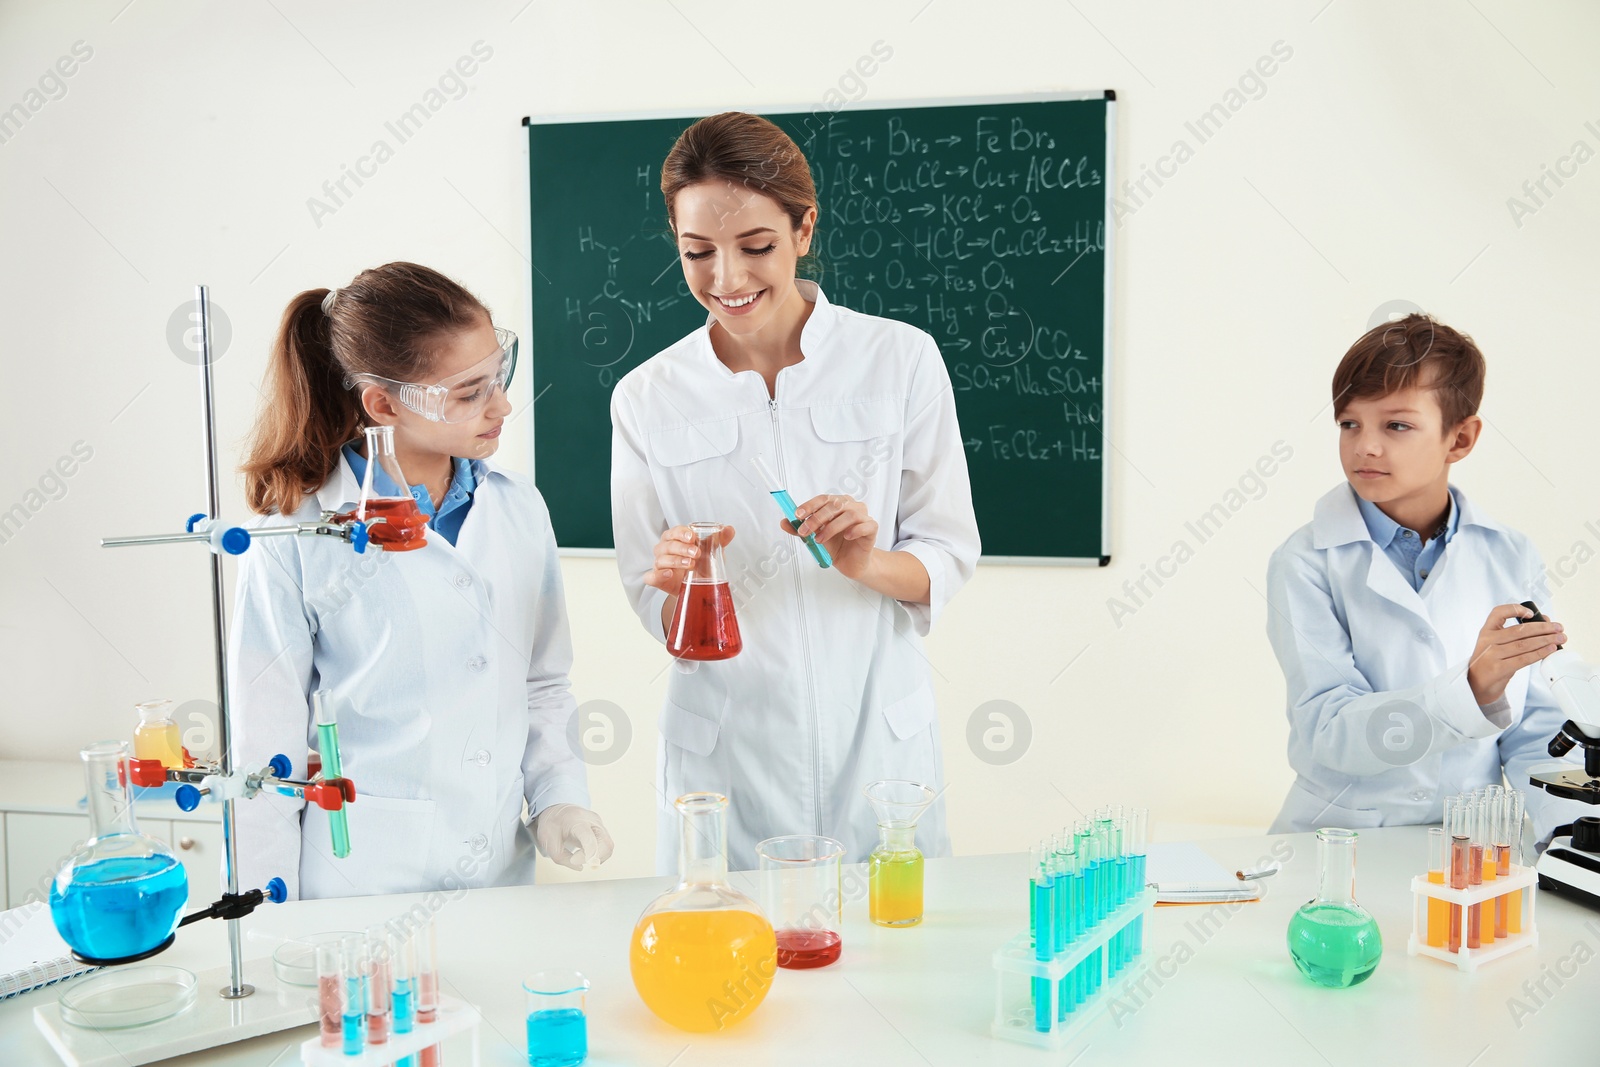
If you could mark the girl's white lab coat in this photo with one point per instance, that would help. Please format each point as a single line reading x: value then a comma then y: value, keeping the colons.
x: 448, y: 665
x: 1382, y: 723
x: 833, y: 688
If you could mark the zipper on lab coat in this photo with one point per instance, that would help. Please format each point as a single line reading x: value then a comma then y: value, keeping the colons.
x: 805, y: 647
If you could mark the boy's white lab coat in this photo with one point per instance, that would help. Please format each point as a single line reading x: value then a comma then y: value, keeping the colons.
x: 833, y: 688
x: 1382, y: 723
x: 448, y: 666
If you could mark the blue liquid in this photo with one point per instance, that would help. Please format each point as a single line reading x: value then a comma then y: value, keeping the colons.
x: 400, y: 1004
x: 355, y: 1033
x: 818, y: 553
x: 557, y: 1038
x: 1044, y: 938
x: 120, y: 907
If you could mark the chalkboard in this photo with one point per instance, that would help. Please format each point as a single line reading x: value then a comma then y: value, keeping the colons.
x: 985, y: 223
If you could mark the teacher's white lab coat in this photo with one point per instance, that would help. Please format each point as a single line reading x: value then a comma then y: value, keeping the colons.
x: 833, y: 688
x: 1382, y: 723
x: 448, y: 666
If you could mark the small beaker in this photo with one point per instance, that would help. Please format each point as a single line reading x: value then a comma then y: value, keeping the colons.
x: 801, y: 893
x: 156, y: 736
x: 558, y: 1031
x: 1333, y: 940
x: 704, y: 626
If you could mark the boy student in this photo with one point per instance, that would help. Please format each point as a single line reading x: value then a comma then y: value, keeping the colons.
x: 1391, y: 612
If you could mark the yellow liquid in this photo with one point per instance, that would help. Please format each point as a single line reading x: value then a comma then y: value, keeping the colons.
x: 894, y: 886
x: 1513, y: 901
x: 159, y: 741
x: 1438, y: 915
x: 703, y: 970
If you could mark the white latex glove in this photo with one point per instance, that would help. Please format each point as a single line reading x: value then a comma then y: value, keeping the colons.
x: 572, y: 836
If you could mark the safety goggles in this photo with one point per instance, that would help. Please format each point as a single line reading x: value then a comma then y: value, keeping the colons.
x: 460, y: 397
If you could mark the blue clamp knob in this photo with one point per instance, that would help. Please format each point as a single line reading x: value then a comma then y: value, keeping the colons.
x: 235, y: 540
x: 359, y: 536
x: 194, y: 519
x: 280, y: 766
x: 187, y: 796
x: 277, y: 892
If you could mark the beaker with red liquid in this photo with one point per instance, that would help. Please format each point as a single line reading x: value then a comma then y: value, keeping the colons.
x: 704, y: 626
x: 393, y: 521
x: 803, y: 895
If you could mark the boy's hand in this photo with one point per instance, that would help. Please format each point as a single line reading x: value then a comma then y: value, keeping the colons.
x: 1504, y: 650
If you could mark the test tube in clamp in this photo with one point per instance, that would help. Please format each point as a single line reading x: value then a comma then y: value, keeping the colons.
x: 786, y: 502
x: 328, y: 749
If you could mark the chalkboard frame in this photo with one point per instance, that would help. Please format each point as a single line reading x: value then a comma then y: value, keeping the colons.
x: 1107, y: 320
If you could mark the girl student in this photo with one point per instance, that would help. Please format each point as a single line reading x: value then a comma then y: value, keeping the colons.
x: 855, y: 413
x: 447, y: 665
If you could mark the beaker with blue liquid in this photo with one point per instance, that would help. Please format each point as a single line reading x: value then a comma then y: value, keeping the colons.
x: 121, y: 894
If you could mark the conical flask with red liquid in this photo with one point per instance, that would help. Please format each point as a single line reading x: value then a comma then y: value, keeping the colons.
x: 393, y: 521
x: 704, y: 626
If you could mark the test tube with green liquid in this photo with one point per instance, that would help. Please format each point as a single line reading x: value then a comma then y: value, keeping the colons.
x: 328, y: 748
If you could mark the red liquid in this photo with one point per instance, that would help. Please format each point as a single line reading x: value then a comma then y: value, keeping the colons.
x: 799, y: 950
x: 377, y: 1029
x: 431, y: 1056
x: 332, y: 1011
x: 403, y: 526
x: 704, y: 625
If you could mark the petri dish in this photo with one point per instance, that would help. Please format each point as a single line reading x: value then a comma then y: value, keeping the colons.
x: 295, y: 962
x: 128, y: 996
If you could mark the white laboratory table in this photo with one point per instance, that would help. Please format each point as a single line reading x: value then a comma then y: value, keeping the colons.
x: 1228, y: 993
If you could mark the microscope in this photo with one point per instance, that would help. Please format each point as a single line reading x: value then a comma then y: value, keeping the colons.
x: 1571, y: 865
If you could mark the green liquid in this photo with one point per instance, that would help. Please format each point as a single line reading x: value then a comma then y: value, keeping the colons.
x: 1334, y: 945
x: 894, y: 883
x: 338, y: 821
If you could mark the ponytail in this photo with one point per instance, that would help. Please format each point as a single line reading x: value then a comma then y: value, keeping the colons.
x: 308, y: 414
x: 387, y: 322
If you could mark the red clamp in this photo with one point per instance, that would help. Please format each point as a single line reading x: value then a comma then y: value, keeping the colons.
x: 332, y: 793
x: 147, y: 773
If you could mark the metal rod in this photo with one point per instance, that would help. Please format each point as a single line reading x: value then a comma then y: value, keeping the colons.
x: 230, y: 847
x: 152, y: 539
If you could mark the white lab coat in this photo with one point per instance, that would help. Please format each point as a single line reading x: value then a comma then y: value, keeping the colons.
x: 1354, y: 640
x: 448, y: 665
x: 833, y: 689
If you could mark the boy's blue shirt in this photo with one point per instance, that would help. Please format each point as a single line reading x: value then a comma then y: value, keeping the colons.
x: 1405, y: 546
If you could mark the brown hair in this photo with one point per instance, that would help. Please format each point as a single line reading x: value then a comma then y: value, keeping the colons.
x: 385, y: 322
x: 1414, y: 351
x: 742, y: 148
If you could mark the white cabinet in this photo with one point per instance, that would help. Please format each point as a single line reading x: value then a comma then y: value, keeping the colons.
x: 36, y: 846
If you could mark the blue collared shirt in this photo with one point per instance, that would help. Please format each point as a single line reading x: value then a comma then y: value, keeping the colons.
x: 452, y: 511
x: 1404, y: 547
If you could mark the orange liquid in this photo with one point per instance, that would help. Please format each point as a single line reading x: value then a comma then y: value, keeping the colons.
x: 703, y: 624
x: 1514, y: 911
x: 395, y: 522
x: 703, y: 970
x: 1438, y: 915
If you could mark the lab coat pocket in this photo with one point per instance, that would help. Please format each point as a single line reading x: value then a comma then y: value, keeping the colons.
x: 1310, y: 811
x: 694, y: 730
x: 911, y: 714
x: 858, y: 421
x: 391, y: 846
x: 677, y: 446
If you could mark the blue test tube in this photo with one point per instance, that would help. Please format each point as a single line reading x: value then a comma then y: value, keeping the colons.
x: 1067, y: 860
x: 1042, y: 889
x: 353, y: 964
x: 1141, y: 844
x: 786, y: 502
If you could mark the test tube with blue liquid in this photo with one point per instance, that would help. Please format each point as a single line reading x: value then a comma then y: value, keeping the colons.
x: 353, y: 966
x: 786, y: 502
x: 1042, y: 890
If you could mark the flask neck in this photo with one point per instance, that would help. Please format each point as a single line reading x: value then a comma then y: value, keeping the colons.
x: 703, y: 853
x: 1336, y: 861
x: 897, y: 837
x: 110, y: 802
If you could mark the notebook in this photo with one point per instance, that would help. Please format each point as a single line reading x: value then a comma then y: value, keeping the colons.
x: 32, y: 954
x: 1184, y: 873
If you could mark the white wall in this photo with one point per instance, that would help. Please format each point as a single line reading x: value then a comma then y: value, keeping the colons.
x: 1376, y: 165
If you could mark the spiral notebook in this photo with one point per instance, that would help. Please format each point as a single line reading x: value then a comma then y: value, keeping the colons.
x: 32, y: 954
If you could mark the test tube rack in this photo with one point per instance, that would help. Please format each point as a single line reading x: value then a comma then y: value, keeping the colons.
x: 1525, y: 879
x: 1016, y: 968
x: 454, y: 1017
